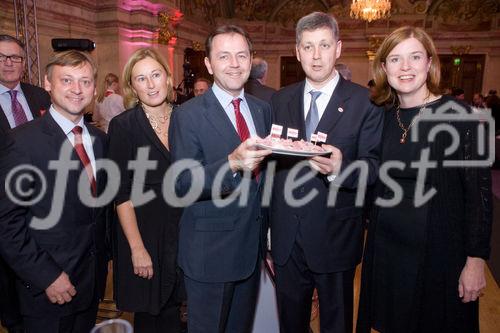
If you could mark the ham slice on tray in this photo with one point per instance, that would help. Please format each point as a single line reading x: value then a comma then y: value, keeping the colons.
x: 288, y: 144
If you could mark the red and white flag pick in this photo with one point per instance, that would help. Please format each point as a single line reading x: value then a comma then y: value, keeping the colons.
x: 314, y: 137
x: 322, y: 137
x: 276, y: 131
x: 292, y: 133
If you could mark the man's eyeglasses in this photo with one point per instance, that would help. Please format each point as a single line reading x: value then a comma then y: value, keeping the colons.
x: 14, y: 58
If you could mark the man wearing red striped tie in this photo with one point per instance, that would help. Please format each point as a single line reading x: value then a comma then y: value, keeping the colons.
x: 219, y: 246
x: 57, y: 253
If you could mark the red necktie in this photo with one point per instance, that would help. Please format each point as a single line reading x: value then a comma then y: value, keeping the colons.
x: 242, y: 128
x: 17, y: 109
x: 82, y: 154
x: 241, y: 124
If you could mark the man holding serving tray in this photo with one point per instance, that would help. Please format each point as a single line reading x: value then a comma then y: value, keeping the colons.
x: 316, y: 244
x: 219, y: 239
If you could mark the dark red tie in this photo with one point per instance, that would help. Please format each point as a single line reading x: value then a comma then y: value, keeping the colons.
x: 242, y: 128
x: 80, y: 150
x: 241, y: 124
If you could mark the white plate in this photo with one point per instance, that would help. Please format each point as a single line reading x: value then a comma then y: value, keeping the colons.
x: 292, y: 152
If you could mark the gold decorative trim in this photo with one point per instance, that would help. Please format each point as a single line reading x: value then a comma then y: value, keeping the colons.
x: 197, y: 46
x: 460, y: 49
x: 168, y: 22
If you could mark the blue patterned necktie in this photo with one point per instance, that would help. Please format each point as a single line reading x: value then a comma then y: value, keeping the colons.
x: 17, y: 109
x: 312, y: 118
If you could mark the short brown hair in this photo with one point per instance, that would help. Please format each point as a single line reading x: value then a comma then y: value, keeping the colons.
x: 314, y: 21
x: 129, y: 97
x: 227, y: 29
x: 72, y: 58
x: 384, y: 93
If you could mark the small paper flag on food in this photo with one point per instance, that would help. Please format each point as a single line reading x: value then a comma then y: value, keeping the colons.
x: 276, y: 131
x: 292, y: 133
x: 314, y: 137
x: 322, y: 137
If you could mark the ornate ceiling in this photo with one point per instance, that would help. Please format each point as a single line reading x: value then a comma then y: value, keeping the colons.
x: 465, y: 14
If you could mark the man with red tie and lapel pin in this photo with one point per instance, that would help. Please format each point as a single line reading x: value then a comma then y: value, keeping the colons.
x: 50, y: 235
x: 19, y: 103
x: 318, y: 244
x: 219, y: 250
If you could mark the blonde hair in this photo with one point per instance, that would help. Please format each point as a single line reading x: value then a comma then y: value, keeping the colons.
x: 72, y: 58
x: 109, y: 79
x: 129, y: 97
x: 384, y: 93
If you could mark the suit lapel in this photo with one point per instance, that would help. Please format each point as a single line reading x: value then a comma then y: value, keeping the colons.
x: 296, y: 112
x: 31, y: 98
x: 335, y: 109
x: 257, y: 117
x: 54, y: 131
x: 97, y: 144
x: 4, y: 123
x: 98, y: 150
x: 216, y: 115
x: 143, y: 121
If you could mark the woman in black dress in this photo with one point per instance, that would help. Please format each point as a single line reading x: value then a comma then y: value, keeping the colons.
x: 423, y: 268
x: 146, y: 279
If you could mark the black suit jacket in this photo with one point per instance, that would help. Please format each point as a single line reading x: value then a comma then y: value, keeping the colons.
x: 216, y: 244
x: 37, y: 98
x: 331, y: 237
x: 257, y: 89
x: 75, y: 244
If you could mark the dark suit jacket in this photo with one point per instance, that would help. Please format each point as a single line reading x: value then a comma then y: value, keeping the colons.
x: 216, y: 244
x: 257, y: 89
x: 37, y: 98
x: 74, y: 245
x: 331, y: 237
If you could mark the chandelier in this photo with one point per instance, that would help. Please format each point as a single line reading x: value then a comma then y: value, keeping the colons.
x: 370, y: 10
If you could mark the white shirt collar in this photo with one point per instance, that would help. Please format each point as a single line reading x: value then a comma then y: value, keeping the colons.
x: 224, y: 97
x: 66, y: 124
x: 327, y: 89
x: 4, y: 89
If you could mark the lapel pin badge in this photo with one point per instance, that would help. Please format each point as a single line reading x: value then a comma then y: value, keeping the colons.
x: 340, y: 109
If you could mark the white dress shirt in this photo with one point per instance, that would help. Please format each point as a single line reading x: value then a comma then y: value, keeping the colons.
x: 6, y: 103
x: 225, y: 100
x: 321, y: 102
x: 67, y: 125
x: 323, y: 99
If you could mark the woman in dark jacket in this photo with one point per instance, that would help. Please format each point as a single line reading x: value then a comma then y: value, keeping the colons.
x: 423, y: 268
x: 146, y: 279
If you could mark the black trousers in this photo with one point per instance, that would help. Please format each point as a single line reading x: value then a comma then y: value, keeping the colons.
x: 10, y: 315
x: 80, y: 322
x: 167, y: 321
x: 225, y: 307
x: 295, y: 284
